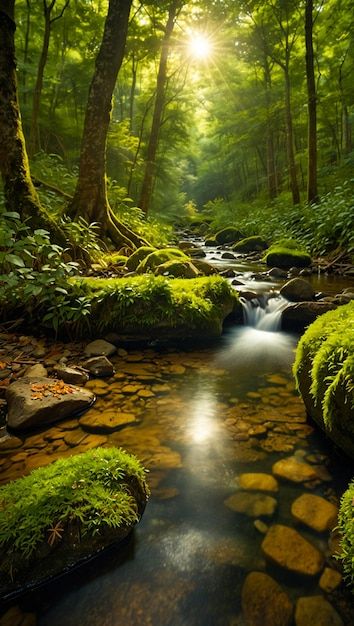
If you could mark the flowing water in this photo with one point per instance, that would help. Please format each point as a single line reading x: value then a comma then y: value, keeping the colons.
x: 204, y: 418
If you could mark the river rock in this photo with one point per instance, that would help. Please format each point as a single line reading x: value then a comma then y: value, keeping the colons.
x: 297, y: 290
x: 315, y: 512
x: 8, y: 441
x: 294, y: 470
x: 100, y: 347
x: 298, y: 316
x: 251, y: 504
x: 99, y: 366
x: 228, y: 255
x: 204, y: 268
x: 107, y: 421
x: 258, y: 482
x: 36, y: 371
x: 264, y: 603
x: 286, y: 548
x: 277, y: 272
x: 316, y: 611
x: 330, y: 579
x: 71, y: 375
x: 33, y: 402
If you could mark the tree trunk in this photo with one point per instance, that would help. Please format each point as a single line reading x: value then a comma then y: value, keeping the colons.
x: 271, y: 169
x: 20, y: 194
x: 90, y: 199
x: 149, y: 175
x: 312, y: 195
x: 34, y: 143
x: 26, y: 48
x: 290, y: 139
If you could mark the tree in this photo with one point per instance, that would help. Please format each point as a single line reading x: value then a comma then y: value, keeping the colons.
x: 312, y: 195
x: 90, y: 199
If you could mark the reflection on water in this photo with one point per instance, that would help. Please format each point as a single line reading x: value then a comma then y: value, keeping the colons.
x: 202, y: 426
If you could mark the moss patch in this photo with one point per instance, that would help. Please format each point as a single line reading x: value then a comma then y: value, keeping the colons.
x: 346, y: 526
x: 91, y: 490
x: 324, y: 373
x: 138, y: 256
x: 250, y: 244
x: 114, y: 259
x: 285, y: 254
x: 178, y: 269
x: 156, y: 258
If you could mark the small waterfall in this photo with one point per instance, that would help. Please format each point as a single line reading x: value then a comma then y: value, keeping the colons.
x: 263, y: 313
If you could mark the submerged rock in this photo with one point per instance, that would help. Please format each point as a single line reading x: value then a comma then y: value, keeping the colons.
x: 33, y: 402
x: 258, y: 482
x: 330, y: 579
x: 316, y: 611
x: 264, y: 603
x: 285, y: 547
x: 108, y: 421
x: 294, y: 470
x: 315, y: 512
x: 99, y: 366
x: 251, y: 504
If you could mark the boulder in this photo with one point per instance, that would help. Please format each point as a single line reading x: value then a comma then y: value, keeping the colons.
x: 204, y: 268
x: 211, y: 241
x: 138, y: 256
x: 297, y: 316
x: 297, y: 290
x: 250, y: 244
x: 264, y: 603
x: 315, y: 512
x: 258, y: 482
x: 178, y: 269
x: 286, y: 548
x: 100, y: 347
x: 71, y: 375
x: 228, y: 255
x: 278, y: 256
x: 316, y: 611
x: 252, y: 504
x: 34, y: 402
x: 228, y: 235
x: 277, y: 272
x: 99, y: 367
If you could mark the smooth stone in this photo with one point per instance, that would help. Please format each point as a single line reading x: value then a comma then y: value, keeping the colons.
x: 99, y: 366
x: 98, y: 387
x: 316, y: 611
x: 71, y: 375
x: 286, y: 548
x: 330, y: 579
x: 264, y: 602
x: 34, y: 402
x: 314, y: 511
x: 258, y: 482
x: 108, y: 421
x: 297, y: 290
x: 262, y: 527
x: 294, y: 470
x: 100, y: 347
x: 8, y: 441
x: 36, y: 371
x: 251, y: 504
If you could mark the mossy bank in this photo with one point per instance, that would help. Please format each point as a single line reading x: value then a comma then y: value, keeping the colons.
x: 65, y: 512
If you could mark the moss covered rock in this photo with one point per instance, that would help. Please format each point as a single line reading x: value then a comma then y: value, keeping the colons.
x: 137, y: 256
x: 65, y: 512
x: 178, y: 269
x: 324, y: 373
x: 115, y: 259
x: 156, y: 258
x: 250, y: 244
x: 211, y: 241
x: 228, y: 235
x: 280, y: 255
x: 346, y: 526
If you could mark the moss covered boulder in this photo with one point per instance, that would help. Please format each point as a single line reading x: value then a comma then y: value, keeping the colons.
x: 250, y: 244
x: 286, y: 254
x: 324, y: 372
x: 346, y: 527
x: 178, y: 269
x: 156, y: 258
x: 211, y: 241
x: 228, y: 235
x: 66, y: 512
x: 137, y: 256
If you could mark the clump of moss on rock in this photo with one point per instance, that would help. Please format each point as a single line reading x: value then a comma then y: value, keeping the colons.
x: 228, y: 235
x: 286, y: 253
x: 324, y: 373
x: 67, y: 511
x: 178, y: 269
x: 346, y: 527
x: 138, y: 256
x: 152, y: 260
x: 250, y: 244
x: 114, y: 259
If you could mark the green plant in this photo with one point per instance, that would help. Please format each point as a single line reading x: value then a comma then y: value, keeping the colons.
x: 346, y: 527
x: 84, y: 235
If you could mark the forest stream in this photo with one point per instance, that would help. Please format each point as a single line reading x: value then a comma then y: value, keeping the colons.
x: 207, y: 419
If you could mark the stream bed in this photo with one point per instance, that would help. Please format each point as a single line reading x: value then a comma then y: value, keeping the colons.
x: 202, y: 420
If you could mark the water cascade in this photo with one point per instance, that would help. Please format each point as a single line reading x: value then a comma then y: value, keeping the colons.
x: 264, y: 313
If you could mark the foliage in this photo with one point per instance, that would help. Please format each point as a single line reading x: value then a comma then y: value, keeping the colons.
x: 85, y: 236
x: 91, y: 488
x: 346, y: 527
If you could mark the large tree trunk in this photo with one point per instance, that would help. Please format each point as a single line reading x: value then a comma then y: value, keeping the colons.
x: 90, y: 199
x: 312, y: 195
x: 290, y: 140
x: 149, y: 174
x: 271, y: 167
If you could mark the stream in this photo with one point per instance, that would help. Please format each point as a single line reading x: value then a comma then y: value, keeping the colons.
x: 205, y: 418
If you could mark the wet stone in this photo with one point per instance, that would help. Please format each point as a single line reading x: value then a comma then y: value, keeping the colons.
x: 264, y: 603
x: 294, y: 470
x: 261, y: 526
x: 74, y: 438
x: 36, y: 371
x: 8, y: 442
x: 98, y: 387
x: 99, y: 366
x: 315, y: 512
x: 107, y: 421
x: 100, y: 347
x: 316, y: 611
x: 71, y: 375
x: 285, y: 547
x: 252, y: 505
x: 258, y: 482
x: 330, y: 580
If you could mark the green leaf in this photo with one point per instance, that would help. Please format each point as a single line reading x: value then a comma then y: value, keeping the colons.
x: 15, y: 260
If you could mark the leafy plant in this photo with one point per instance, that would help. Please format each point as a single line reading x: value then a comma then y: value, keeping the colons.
x: 85, y: 236
x: 346, y: 527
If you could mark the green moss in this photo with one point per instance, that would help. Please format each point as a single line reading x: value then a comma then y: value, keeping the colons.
x: 115, y: 259
x: 138, y: 256
x: 178, y: 269
x: 228, y: 235
x: 250, y: 244
x: 152, y: 260
x: 280, y: 255
x: 346, y: 526
x: 149, y: 303
x: 92, y: 488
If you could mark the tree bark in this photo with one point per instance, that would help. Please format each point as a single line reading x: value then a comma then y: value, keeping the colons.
x: 312, y: 194
x: 149, y: 174
x: 290, y: 139
x: 90, y: 199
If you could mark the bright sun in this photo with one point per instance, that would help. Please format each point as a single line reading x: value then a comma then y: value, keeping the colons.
x: 200, y: 46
